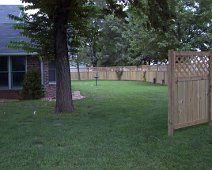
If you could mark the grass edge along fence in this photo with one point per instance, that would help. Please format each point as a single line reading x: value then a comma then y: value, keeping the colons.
x: 190, y: 94
x: 149, y: 73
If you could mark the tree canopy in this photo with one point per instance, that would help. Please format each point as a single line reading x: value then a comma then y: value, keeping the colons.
x: 145, y: 37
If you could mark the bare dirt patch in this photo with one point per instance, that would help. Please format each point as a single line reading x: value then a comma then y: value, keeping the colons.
x: 76, y: 95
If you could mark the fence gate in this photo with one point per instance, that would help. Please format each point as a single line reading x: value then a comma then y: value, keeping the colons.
x: 190, y: 81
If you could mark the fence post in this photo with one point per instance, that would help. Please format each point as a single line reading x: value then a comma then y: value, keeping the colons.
x: 106, y: 78
x: 164, y: 77
x: 210, y: 91
x: 88, y: 73
x: 148, y: 74
x: 171, y: 88
x: 157, y: 73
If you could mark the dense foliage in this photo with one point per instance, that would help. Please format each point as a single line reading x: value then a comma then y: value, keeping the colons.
x: 144, y: 37
x: 101, y: 33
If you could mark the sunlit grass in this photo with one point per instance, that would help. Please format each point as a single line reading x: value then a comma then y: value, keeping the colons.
x: 120, y: 125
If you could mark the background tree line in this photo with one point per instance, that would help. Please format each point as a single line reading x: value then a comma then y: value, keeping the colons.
x: 144, y: 37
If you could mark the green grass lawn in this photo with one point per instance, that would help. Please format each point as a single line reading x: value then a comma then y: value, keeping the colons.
x: 120, y: 125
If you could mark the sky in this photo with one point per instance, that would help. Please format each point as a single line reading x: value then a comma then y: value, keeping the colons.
x: 10, y: 2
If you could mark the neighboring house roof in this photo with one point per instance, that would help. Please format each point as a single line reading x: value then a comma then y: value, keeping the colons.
x: 5, y: 10
x: 7, y: 33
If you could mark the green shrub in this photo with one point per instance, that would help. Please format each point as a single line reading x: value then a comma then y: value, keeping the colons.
x: 119, y: 73
x: 32, y: 88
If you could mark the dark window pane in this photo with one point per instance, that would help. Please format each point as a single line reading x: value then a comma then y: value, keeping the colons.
x: 3, y: 79
x: 18, y: 63
x: 52, y: 64
x: 52, y: 71
x: 17, y: 79
x: 3, y: 64
x: 52, y: 76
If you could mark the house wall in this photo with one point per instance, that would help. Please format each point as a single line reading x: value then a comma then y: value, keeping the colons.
x: 33, y: 63
x: 49, y: 88
x: 9, y: 94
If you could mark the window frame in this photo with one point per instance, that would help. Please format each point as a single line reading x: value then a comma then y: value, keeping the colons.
x: 53, y: 82
x: 10, y: 71
x: 6, y: 87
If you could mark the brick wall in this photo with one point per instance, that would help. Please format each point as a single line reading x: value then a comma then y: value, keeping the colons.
x: 33, y: 63
x: 9, y: 94
x: 49, y: 89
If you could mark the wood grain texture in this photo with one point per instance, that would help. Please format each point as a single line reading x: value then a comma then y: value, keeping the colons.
x: 190, y: 75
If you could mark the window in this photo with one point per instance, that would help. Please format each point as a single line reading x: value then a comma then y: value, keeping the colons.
x: 12, y: 71
x: 4, y: 72
x: 52, y: 71
x: 18, y: 70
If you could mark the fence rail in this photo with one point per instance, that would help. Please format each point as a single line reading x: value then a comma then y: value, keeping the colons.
x: 155, y: 73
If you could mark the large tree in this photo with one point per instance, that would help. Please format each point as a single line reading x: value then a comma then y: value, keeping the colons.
x: 189, y: 28
x: 52, y: 21
x: 59, y: 11
x: 193, y: 25
x: 57, y: 14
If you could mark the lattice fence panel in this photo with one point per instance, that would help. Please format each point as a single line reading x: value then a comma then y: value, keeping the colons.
x: 191, y: 66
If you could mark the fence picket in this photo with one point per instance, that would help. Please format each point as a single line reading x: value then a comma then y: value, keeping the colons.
x: 158, y: 73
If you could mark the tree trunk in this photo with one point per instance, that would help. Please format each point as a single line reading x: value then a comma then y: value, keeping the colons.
x: 78, y: 70
x: 94, y: 57
x: 64, y: 101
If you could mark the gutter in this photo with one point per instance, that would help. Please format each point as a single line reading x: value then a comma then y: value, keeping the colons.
x: 17, y: 54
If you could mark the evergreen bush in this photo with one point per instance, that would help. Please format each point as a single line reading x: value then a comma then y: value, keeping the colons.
x: 32, y: 88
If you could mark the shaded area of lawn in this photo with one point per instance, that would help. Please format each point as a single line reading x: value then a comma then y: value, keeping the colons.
x: 120, y: 125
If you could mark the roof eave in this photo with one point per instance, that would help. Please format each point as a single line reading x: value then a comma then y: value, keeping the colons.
x: 17, y: 54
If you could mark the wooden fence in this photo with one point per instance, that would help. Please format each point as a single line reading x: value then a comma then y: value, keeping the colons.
x: 155, y: 73
x: 190, y: 95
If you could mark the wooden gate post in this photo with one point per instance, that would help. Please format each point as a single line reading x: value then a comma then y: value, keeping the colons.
x: 171, y: 87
